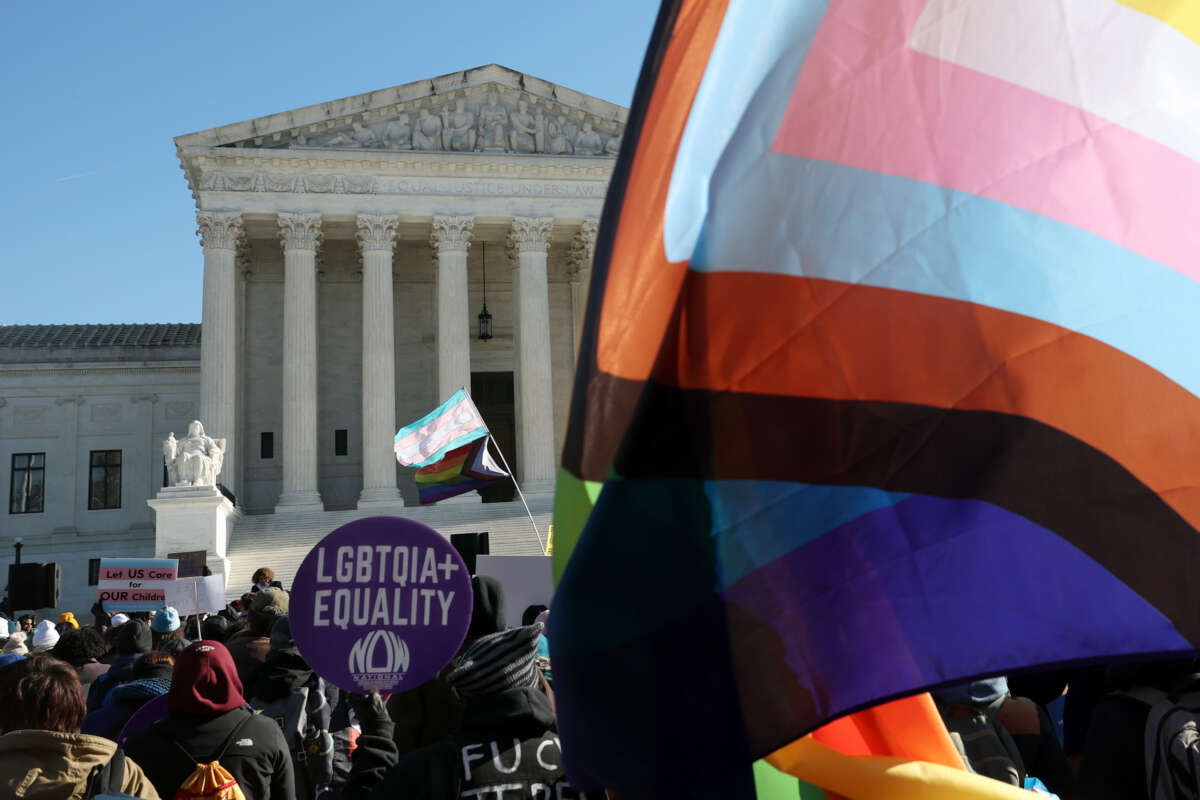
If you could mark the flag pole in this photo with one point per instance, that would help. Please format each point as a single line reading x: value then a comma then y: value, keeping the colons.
x: 536, y: 534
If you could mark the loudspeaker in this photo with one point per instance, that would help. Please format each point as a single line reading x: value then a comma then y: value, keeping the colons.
x: 51, y: 585
x: 25, y: 583
x: 470, y: 545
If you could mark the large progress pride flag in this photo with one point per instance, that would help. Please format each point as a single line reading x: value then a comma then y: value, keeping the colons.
x: 889, y: 376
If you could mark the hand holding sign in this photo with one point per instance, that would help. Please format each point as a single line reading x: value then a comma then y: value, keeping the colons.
x: 381, y: 603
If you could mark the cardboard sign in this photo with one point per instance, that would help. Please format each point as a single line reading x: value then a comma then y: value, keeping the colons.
x: 135, y: 584
x: 191, y: 563
x: 197, y: 595
x: 381, y: 603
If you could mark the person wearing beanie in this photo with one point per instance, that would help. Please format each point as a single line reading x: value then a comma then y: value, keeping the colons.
x: 205, y: 713
x: 506, y: 741
x: 81, y: 647
x: 250, y: 647
x: 430, y: 712
x: 118, y: 620
x: 164, y: 626
x: 45, y: 636
x: 150, y: 678
x: 133, y: 639
x: 66, y: 620
x: 15, y: 644
x: 42, y: 752
x: 215, y: 628
x: 9, y: 658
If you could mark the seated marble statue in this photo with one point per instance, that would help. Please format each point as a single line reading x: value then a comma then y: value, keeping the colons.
x: 588, y: 143
x: 558, y: 143
x: 428, y: 133
x: 398, y: 135
x: 458, y: 133
x: 522, y: 136
x: 493, y: 121
x: 194, y: 461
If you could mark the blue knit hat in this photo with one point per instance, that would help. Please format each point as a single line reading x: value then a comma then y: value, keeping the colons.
x: 165, y: 620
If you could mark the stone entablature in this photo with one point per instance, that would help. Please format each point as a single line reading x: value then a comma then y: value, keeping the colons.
x: 490, y: 109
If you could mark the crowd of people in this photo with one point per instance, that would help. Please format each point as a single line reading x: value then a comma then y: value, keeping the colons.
x: 159, y: 706
x: 144, y: 705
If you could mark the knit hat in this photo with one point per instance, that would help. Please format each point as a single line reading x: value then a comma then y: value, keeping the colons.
x: 8, y: 658
x: 205, y: 682
x: 4, y: 628
x: 143, y: 689
x: 215, y: 627
x: 499, y: 661
x: 272, y: 602
x: 134, y: 637
x: 68, y: 618
x: 45, y: 636
x: 165, y: 620
x: 16, y: 643
x: 119, y: 619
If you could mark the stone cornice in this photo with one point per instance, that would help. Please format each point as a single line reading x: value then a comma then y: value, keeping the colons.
x: 451, y: 234
x: 376, y: 232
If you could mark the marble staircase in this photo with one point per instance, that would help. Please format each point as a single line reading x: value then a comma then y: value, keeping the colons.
x: 281, y: 541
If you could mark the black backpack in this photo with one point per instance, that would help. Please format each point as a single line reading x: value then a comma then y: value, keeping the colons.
x: 107, y: 778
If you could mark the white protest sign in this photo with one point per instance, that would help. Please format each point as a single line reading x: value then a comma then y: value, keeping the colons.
x: 135, y: 584
x: 527, y: 581
x: 197, y: 595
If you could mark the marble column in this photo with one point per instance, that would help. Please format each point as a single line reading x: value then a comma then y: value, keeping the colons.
x: 583, y: 252
x: 529, y: 242
x: 377, y: 239
x: 219, y: 233
x: 300, y: 234
x: 450, y: 240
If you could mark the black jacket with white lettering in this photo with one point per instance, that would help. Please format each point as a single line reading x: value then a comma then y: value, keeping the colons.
x: 506, y: 746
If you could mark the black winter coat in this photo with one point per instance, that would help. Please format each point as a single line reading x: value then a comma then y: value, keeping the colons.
x: 257, y: 756
x: 507, y: 742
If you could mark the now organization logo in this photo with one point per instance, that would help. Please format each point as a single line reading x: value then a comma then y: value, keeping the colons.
x: 378, y: 659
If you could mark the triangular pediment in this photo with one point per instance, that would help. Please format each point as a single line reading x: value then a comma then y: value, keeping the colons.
x: 489, y: 109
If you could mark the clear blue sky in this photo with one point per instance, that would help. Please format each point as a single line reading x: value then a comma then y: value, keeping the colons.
x: 96, y: 221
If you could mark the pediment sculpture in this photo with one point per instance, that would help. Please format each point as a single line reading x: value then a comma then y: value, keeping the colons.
x: 480, y: 121
x: 195, y: 460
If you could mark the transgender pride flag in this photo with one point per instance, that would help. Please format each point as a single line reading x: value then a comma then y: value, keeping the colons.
x: 889, y: 373
x: 449, y: 426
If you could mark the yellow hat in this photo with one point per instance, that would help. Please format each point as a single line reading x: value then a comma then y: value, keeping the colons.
x: 68, y: 618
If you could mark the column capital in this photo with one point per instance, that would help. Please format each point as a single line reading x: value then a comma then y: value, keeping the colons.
x: 451, y: 234
x: 299, y: 230
x: 583, y: 247
x: 219, y: 230
x: 376, y: 231
x: 530, y: 234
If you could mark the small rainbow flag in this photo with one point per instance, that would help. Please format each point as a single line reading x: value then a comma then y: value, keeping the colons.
x: 460, y: 470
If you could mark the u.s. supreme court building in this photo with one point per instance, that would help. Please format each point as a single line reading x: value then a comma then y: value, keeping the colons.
x: 348, y: 250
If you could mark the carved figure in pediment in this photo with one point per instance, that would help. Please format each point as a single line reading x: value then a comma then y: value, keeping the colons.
x: 398, y: 135
x: 522, y: 137
x: 560, y: 143
x: 458, y: 128
x: 493, y: 122
x: 539, y: 130
x: 359, y: 135
x: 587, y: 142
x: 613, y: 146
x: 428, y: 133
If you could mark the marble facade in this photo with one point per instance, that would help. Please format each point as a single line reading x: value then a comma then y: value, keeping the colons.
x: 343, y: 250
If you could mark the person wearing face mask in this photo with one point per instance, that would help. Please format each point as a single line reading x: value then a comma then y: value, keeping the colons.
x: 264, y: 578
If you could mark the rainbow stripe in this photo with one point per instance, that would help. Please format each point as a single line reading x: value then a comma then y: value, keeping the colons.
x: 460, y: 470
x: 888, y: 362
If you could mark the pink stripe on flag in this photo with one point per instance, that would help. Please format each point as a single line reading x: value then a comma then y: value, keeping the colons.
x: 459, y: 419
x: 865, y: 99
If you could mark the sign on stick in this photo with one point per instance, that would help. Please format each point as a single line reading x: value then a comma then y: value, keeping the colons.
x: 191, y: 562
x: 135, y: 584
x: 197, y: 595
x: 381, y: 603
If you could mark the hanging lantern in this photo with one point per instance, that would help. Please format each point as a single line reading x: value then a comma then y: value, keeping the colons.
x: 485, y: 319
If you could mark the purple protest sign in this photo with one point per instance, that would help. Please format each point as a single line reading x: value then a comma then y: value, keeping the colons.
x: 381, y: 603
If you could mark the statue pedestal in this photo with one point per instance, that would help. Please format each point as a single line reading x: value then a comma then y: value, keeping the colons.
x: 194, y: 518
